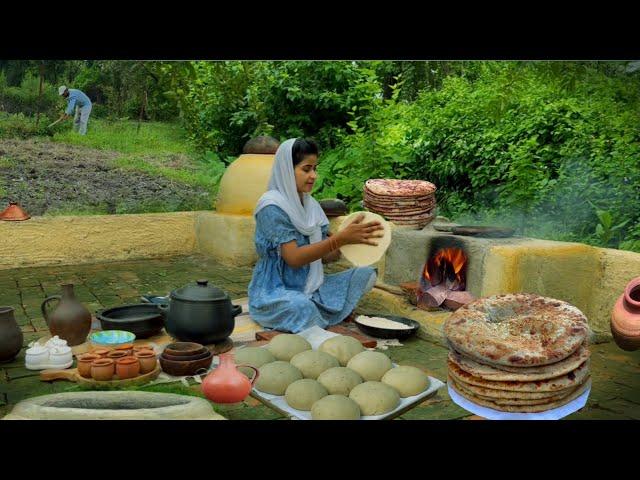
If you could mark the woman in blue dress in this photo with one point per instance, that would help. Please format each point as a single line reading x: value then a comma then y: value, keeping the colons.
x: 288, y: 290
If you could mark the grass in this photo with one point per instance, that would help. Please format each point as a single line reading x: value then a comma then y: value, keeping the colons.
x: 156, y: 148
x: 123, y: 136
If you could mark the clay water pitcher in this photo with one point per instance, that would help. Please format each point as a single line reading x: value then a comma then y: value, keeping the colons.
x: 625, y: 317
x: 70, y: 320
x: 226, y: 384
x: 11, y: 337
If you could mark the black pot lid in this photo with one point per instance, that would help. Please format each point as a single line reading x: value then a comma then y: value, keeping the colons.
x: 200, y: 291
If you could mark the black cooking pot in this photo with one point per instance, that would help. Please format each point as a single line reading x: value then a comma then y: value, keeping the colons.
x: 200, y: 313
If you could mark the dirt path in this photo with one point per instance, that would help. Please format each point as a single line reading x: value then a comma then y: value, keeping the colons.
x: 45, y: 176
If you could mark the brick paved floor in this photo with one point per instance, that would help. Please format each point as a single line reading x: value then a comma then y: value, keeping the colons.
x: 616, y: 374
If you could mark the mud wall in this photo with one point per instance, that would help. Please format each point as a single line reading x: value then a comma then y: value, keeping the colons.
x: 71, y: 240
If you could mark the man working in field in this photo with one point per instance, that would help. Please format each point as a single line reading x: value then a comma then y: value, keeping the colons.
x: 79, y: 102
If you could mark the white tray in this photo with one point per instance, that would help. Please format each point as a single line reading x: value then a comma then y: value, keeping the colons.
x: 315, y: 336
x: 278, y: 402
x: 491, y: 414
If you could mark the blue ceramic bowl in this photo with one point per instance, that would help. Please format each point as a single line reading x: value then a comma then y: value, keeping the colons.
x: 111, y: 338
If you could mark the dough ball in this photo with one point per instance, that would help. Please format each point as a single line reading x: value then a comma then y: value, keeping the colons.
x: 276, y: 376
x: 408, y: 381
x: 286, y: 345
x: 342, y: 347
x: 374, y: 398
x: 335, y: 407
x: 254, y: 356
x: 312, y: 363
x: 339, y: 380
x: 371, y: 366
x: 302, y: 394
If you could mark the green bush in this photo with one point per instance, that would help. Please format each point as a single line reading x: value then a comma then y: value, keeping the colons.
x: 21, y: 126
x: 25, y: 98
x: 516, y: 144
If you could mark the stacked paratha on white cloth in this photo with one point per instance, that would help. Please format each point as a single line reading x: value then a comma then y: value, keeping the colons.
x: 404, y: 202
x: 518, y: 352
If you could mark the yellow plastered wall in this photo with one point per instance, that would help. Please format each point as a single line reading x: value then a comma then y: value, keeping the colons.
x: 571, y: 272
x: 226, y: 238
x: 68, y: 240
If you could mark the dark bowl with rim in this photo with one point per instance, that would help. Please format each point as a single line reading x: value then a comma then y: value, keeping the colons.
x: 185, y: 358
x: 184, y: 349
x: 186, y: 367
x: 144, y: 320
x: 379, y: 332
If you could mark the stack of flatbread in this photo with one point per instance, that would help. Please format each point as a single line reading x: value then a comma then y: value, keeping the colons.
x: 518, y: 352
x: 409, y: 203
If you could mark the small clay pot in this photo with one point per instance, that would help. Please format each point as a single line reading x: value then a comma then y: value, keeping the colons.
x: 127, y: 367
x: 84, y: 364
x: 148, y: 360
x: 127, y: 348
x: 625, y: 317
x: 102, y: 369
x: 101, y: 352
x: 137, y: 348
x: 115, y: 355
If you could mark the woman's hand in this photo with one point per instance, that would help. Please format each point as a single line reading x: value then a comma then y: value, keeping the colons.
x: 358, y: 232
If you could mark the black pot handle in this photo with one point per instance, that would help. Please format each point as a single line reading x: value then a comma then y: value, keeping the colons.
x: 236, y: 310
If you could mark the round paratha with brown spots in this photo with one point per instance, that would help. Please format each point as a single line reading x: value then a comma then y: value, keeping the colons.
x: 520, y: 374
x: 517, y: 329
x: 569, y: 380
x: 524, y: 408
x: 513, y: 398
x: 400, y: 188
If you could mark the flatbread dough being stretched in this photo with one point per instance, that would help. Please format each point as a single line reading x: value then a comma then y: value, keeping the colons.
x: 362, y: 255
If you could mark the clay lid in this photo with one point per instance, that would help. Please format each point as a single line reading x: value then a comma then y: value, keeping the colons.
x: 127, y: 360
x: 13, y: 213
x: 88, y: 357
x: 144, y: 353
x: 262, y: 145
x: 102, y: 362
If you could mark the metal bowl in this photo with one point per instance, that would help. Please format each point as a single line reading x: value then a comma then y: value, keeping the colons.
x: 387, y: 332
x: 143, y: 319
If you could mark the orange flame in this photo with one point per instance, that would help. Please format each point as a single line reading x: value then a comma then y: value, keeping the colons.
x: 447, y: 259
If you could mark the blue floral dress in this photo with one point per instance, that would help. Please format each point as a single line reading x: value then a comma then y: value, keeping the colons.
x: 276, y: 292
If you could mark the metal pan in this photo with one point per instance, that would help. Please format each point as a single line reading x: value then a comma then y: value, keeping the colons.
x: 485, y: 232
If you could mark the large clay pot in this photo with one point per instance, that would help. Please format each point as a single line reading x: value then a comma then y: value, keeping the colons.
x: 70, y: 320
x: 11, y: 337
x: 226, y: 384
x: 625, y: 318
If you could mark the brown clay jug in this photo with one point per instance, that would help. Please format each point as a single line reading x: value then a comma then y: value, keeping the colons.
x: 70, y: 320
x: 226, y: 384
x: 11, y: 337
x: 625, y: 318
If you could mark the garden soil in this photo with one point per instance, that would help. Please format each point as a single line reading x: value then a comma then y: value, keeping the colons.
x: 46, y: 178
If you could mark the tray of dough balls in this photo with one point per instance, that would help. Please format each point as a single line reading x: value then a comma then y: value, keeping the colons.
x: 321, y: 375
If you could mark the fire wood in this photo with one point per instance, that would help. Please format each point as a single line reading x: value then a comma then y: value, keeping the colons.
x: 456, y: 299
x: 410, y: 289
x: 432, y: 297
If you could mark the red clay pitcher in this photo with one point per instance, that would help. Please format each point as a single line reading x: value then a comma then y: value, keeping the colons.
x: 226, y: 384
x: 625, y: 318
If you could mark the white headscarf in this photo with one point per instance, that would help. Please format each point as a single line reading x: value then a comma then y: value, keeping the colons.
x: 283, y: 193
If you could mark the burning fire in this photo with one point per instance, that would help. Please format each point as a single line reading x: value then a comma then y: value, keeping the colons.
x: 447, y: 265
